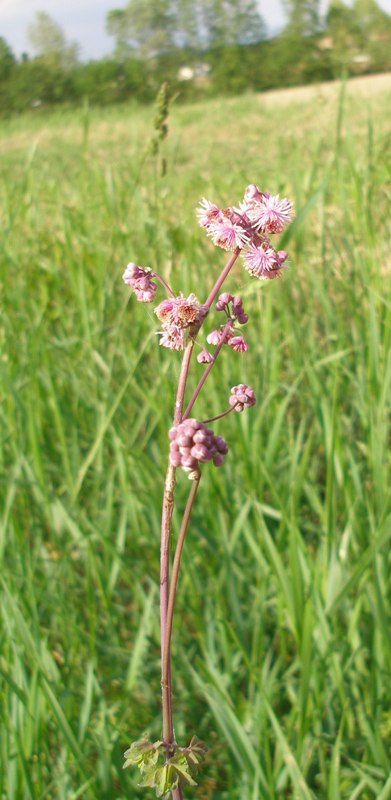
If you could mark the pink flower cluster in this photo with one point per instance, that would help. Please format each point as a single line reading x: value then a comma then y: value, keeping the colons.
x: 192, y: 442
x: 248, y: 227
x: 140, y: 281
x: 241, y: 397
x: 178, y: 314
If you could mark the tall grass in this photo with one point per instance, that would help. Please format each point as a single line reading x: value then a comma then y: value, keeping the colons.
x: 282, y: 647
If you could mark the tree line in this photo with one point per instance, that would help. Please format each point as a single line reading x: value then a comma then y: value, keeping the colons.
x: 202, y: 47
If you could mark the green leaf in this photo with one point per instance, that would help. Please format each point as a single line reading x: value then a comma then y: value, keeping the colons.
x: 149, y: 777
x: 166, y: 779
x: 142, y: 753
x: 195, y: 754
x: 180, y: 765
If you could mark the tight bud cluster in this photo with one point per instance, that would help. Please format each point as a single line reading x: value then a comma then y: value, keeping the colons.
x: 241, y: 397
x: 232, y: 305
x: 192, y: 442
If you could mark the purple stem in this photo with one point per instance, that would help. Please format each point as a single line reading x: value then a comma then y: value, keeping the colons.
x: 222, y: 277
x: 164, y: 283
x: 167, y: 598
x: 206, y: 372
x: 219, y: 416
x: 167, y: 511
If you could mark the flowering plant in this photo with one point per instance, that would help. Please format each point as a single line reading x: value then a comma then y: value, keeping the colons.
x: 245, y: 231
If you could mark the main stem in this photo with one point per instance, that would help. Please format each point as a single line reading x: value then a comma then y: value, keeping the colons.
x: 175, y: 573
x: 167, y: 595
x: 167, y: 511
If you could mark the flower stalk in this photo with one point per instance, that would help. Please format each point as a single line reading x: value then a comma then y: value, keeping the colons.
x: 164, y: 765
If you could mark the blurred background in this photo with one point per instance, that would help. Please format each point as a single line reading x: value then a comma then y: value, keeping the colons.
x: 50, y: 54
x: 281, y: 642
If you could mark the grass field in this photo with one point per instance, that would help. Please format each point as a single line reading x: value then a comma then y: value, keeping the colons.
x: 282, y: 645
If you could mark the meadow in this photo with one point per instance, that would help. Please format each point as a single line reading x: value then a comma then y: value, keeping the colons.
x: 282, y: 646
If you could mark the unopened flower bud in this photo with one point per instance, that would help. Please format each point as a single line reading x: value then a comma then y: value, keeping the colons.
x: 139, y: 278
x: 204, y: 357
x: 214, y: 337
x: 200, y: 452
x: 242, y: 396
x: 221, y: 445
x: 223, y: 301
x: 184, y: 441
x: 194, y: 443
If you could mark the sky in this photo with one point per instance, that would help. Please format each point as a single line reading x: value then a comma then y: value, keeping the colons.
x: 83, y: 21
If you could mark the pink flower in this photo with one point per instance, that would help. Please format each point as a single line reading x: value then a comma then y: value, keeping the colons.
x: 134, y: 273
x: 272, y: 215
x: 206, y: 213
x: 180, y: 311
x: 204, y: 357
x: 146, y: 295
x: 242, y: 396
x: 228, y: 234
x: 214, y: 337
x: 172, y: 337
x: 140, y: 281
x: 263, y: 261
x: 238, y: 344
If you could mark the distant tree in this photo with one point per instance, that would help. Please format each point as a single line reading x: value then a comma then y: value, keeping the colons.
x: 117, y: 27
x: 303, y: 16
x: 7, y: 59
x: 153, y: 27
x: 144, y: 26
x: 186, y: 16
x: 360, y: 36
x: 231, y: 22
x: 296, y: 52
x: 32, y: 82
x: 341, y: 27
x: 373, y: 33
x: 48, y: 41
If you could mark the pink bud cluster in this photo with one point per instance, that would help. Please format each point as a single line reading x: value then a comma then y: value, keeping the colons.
x: 248, y: 228
x: 232, y: 305
x: 192, y: 442
x: 177, y: 314
x: 242, y: 397
x: 139, y: 278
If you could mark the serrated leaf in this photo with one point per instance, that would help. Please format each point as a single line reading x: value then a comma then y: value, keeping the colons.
x: 149, y: 777
x: 198, y: 745
x: 180, y: 764
x: 195, y: 753
x: 166, y: 779
x: 142, y: 753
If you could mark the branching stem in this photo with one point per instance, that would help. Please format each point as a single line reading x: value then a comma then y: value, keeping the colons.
x: 167, y: 589
x: 207, y: 370
x: 219, y: 416
x: 174, y: 581
x: 164, y: 283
